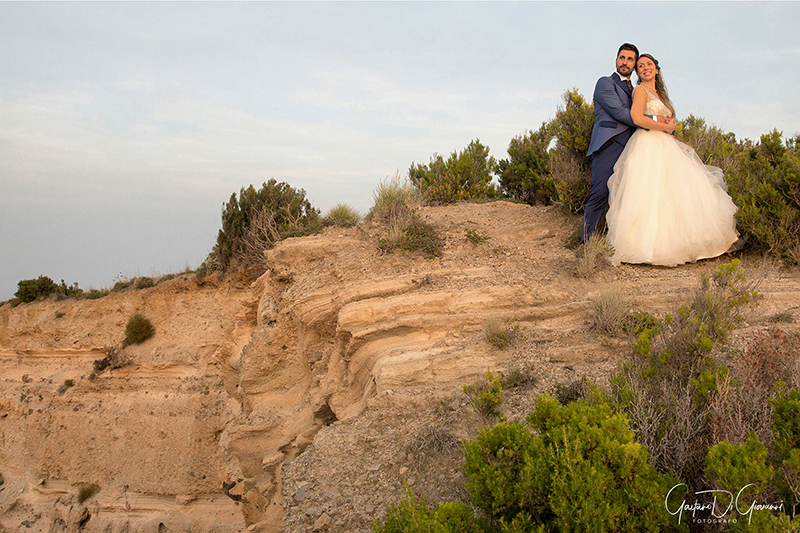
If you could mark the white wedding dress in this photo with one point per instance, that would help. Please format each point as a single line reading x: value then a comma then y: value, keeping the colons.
x: 665, y: 206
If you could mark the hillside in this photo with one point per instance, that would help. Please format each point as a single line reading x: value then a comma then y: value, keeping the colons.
x: 314, y: 392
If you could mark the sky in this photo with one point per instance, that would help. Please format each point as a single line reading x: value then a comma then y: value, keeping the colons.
x: 125, y: 126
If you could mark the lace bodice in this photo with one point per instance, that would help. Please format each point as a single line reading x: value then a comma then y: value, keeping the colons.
x: 654, y: 106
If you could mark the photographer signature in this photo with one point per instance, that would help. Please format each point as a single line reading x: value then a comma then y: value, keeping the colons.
x: 738, y: 503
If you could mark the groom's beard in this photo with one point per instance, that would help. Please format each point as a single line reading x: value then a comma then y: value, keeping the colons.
x: 624, y: 71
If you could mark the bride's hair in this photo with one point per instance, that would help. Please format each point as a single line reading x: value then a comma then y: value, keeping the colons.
x: 661, y: 89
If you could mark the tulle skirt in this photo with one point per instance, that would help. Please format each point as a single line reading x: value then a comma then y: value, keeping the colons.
x: 665, y: 206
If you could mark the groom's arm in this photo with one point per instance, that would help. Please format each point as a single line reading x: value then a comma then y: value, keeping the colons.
x: 606, y: 96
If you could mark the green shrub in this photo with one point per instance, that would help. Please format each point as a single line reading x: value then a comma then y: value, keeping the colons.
x: 342, y: 215
x: 525, y: 175
x: 486, y: 396
x: 638, y: 321
x: 70, y: 291
x: 101, y: 364
x: 766, y: 187
x: 712, y: 145
x: 412, y: 515
x: 569, y: 166
x: 122, y: 284
x: 516, y: 376
x: 138, y: 329
x: 29, y: 290
x: 665, y: 384
x: 786, y: 446
x: 569, y: 468
x: 94, y: 294
x: 743, y: 472
x: 144, y: 282
x: 466, y: 175
x: 256, y: 220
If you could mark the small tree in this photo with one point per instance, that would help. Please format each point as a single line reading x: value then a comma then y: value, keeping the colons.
x: 571, y: 169
x: 525, y: 175
x: 466, y: 175
x: 29, y: 290
x: 766, y: 187
x: 256, y: 220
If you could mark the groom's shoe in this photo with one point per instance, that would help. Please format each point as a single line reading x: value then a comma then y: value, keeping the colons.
x: 739, y: 244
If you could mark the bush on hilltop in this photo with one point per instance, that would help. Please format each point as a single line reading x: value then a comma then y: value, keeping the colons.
x: 256, y: 220
x: 466, y: 175
x: 30, y: 290
x: 525, y: 175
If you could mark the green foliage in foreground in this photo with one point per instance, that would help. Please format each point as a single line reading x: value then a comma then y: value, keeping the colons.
x: 414, y: 516
x: 572, y: 467
x: 670, y: 371
x: 741, y: 468
x: 786, y: 431
x: 568, y: 468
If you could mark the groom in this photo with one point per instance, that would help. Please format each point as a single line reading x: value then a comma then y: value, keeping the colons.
x: 613, y: 127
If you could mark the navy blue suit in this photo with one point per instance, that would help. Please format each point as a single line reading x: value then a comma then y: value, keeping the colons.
x: 613, y: 127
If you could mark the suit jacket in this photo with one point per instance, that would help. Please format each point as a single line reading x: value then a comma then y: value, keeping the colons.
x: 612, y: 112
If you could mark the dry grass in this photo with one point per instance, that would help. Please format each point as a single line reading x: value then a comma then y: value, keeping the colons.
x: 342, y: 215
x: 394, y: 201
x: 608, y: 309
x: 592, y: 255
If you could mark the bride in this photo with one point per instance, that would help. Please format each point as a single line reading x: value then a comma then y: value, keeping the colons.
x: 665, y: 206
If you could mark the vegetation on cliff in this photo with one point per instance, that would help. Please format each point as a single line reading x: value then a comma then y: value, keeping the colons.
x: 680, y: 421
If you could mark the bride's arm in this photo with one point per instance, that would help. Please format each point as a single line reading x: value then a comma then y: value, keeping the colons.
x: 638, y: 116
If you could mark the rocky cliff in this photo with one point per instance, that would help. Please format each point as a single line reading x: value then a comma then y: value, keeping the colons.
x: 306, y: 399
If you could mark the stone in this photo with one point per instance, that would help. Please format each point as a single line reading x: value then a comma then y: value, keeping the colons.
x: 322, y: 522
x: 302, y: 492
